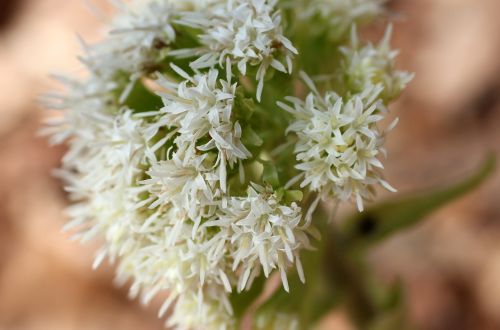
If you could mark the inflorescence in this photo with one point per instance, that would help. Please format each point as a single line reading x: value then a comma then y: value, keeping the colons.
x: 182, y: 159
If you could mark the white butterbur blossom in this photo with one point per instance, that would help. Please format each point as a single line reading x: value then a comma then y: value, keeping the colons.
x: 245, y: 32
x: 341, y: 14
x: 366, y: 65
x: 85, y: 105
x: 263, y: 234
x: 339, y: 142
x: 182, y: 175
x: 187, y: 186
x: 139, y: 38
x: 168, y: 258
x: 201, y: 107
x: 209, y: 313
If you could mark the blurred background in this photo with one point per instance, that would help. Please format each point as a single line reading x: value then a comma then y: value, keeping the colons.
x: 450, y: 118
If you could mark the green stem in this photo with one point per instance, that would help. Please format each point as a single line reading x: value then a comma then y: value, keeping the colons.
x: 349, y: 274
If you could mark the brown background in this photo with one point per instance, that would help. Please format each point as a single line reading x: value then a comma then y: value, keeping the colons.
x: 450, y: 118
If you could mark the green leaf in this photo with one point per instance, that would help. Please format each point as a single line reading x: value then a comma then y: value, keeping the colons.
x: 293, y: 196
x: 270, y: 174
x: 250, y: 137
x: 141, y: 99
x: 385, y: 219
x: 187, y: 37
x: 280, y: 193
x: 244, y: 106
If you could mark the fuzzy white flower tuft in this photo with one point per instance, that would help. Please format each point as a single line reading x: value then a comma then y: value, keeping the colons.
x: 100, y: 170
x: 164, y: 242
x: 262, y: 231
x: 339, y: 142
x: 138, y: 40
x: 165, y: 257
x: 186, y: 185
x: 200, y: 111
x: 366, y: 65
x: 341, y: 14
x: 182, y: 174
x: 209, y: 313
x: 84, y: 107
x: 245, y: 32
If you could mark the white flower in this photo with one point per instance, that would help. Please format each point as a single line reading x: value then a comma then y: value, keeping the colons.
x: 100, y: 171
x: 245, y: 33
x: 275, y: 320
x: 187, y: 185
x: 140, y: 33
x: 262, y: 231
x: 165, y: 258
x: 160, y: 185
x: 191, y: 313
x: 364, y: 66
x: 149, y: 228
x: 200, y: 111
x: 168, y: 258
x: 341, y: 14
x: 84, y: 107
x: 339, y: 142
x: 152, y: 241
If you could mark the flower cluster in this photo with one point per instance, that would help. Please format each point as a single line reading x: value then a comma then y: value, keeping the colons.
x: 174, y: 154
x: 261, y: 230
x: 339, y: 15
x: 339, y: 142
x: 139, y: 33
x: 199, y: 107
x: 367, y: 65
x: 243, y: 33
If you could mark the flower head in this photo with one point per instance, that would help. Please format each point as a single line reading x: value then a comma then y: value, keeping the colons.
x: 339, y: 142
x: 100, y: 171
x: 200, y: 111
x: 368, y: 65
x: 340, y: 15
x: 139, y: 36
x: 189, y: 186
x: 262, y: 233
x: 245, y: 33
x: 182, y: 174
x: 191, y: 312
